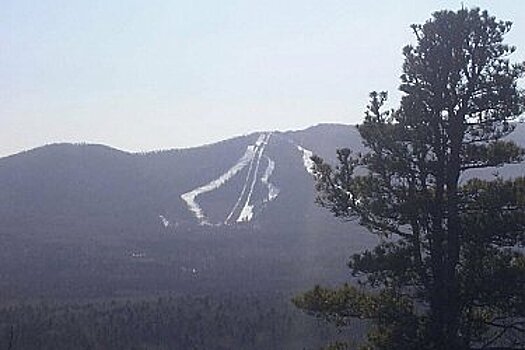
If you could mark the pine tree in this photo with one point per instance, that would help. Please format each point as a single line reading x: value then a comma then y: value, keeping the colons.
x: 449, y: 273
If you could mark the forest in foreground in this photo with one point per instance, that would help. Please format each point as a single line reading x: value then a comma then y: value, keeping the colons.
x: 168, y: 322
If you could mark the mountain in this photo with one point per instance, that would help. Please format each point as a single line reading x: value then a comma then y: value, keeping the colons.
x: 89, y: 220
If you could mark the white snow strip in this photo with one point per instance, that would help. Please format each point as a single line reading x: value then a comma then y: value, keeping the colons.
x: 247, y: 211
x: 259, y: 141
x: 273, y: 191
x: 307, y: 159
x: 190, y: 197
x: 165, y: 222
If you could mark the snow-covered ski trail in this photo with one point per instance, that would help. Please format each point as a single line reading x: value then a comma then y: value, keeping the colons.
x: 190, y: 197
x: 245, y: 186
x: 259, y: 148
x: 247, y: 210
x: 243, y: 209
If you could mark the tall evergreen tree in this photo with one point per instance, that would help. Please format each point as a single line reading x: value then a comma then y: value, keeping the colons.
x: 449, y: 273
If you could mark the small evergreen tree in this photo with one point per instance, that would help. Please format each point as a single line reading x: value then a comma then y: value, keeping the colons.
x: 449, y: 273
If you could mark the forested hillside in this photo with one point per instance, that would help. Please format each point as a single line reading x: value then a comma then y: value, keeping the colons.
x: 91, y: 221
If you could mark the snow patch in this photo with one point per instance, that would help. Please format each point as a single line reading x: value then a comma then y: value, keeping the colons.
x: 165, y: 222
x: 307, y: 159
x: 273, y: 191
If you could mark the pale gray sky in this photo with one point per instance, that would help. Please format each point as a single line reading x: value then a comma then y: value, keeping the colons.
x: 143, y: 75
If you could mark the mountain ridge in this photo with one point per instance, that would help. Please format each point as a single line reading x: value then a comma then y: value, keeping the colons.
x: 96, y: 221
x: 174, y: 149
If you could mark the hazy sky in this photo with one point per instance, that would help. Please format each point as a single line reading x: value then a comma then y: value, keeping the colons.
x: 143, y: 75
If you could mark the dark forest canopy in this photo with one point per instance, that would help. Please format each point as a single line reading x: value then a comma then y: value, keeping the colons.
x: 450, y: 273
x: 170, y: 322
